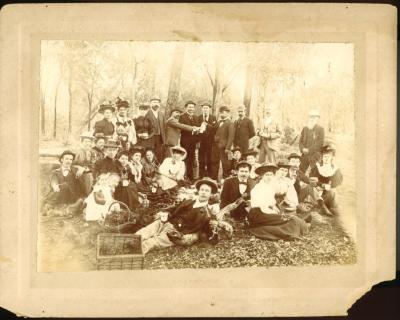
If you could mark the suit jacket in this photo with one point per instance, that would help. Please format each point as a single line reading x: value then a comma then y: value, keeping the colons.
x: 224, y: 135
x: 230, y: 190
x: 244, y: 130
x: 312, y: 139
x: 186, y: 136
x: 173, y: 131
x: 71, y: 188
x: 271, y: 135
x: 187, y: 219
x: 158, y: 123
x: 211, y: 128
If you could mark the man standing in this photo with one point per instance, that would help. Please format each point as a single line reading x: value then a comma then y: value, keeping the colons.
x: 311, y: 141
x: 223, y: 140
x: 270, y: 134
x: 209, y: 126
x: 236, y: 187
x: 244, y: 130
x: 174, y: 128
x: 124, y: 125
x: 189, y: 139
x: 157, y: 117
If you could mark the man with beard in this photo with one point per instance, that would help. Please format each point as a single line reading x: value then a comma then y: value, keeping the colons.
x: 98, y: 149
x: 157, y: 117
x: 311, y: 141
x: 174, y: 128
x: 209, y: 126
x: 236, y: 187
x: 189, y: 139
x: 244, y: 130
x: 223, y: 140
x: 270, y: 134
x: 123, y: 125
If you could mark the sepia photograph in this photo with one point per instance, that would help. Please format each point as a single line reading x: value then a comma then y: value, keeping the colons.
x: 207, y: 154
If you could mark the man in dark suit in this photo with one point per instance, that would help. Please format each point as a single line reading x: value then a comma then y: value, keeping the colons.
x: 158, y: 119
x: 223, y: 140
x: 189, y: 139
x: 208, y: 127
x: 236, y: 187
x: 244, y: 130
x: 311, y: 141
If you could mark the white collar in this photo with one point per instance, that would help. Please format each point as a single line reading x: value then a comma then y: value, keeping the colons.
x: 199, y: 204
x: 326, y: 171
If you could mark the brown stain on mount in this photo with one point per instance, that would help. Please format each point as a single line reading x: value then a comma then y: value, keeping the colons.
x: 187, y: 35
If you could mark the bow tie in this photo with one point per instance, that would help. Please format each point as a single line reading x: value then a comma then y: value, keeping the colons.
x: 122, y: 123
x: 243, y: 182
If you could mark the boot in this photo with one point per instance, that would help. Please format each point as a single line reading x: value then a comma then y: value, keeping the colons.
x: 76, y: 208
x: 324, y: 210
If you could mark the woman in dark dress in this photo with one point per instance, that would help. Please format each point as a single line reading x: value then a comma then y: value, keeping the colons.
x: 144, y: 128
x: 105, y: 126
x: 265, y: 219
x: 126, y: 191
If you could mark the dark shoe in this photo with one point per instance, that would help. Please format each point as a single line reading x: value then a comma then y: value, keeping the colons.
x: 76, y: 208
x: 325, y: 211
x: 175, y: 236
x: 308, y: 218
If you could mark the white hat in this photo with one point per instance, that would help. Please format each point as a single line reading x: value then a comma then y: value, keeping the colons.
x: 314, y: 113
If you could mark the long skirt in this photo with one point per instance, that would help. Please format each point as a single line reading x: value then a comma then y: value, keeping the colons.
x: 127, y: 195
x: 275, y: 227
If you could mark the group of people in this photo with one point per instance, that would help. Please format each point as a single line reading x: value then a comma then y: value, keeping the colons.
x: 128, y: 159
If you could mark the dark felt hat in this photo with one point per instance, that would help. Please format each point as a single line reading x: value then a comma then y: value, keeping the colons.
x: 209, y: 182
x: 266, y: 167
x: 106, y: 106
x: 119, y: 103
x: 67, y: 152
x: 137, y: 149
x: 177, y: 109
x: 143, y: 107
x: 224, y: 108
x: 207, y: 103
x: 284, y: 164
x: 111, y: 144
x: 241, y: 164
x: 250, y: 152
x: 236, y: 149
x: 328, y: 147
x: 293, y: 155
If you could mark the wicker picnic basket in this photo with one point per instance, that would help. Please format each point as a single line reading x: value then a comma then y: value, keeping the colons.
x: 123, y: 221
x: 116, y: 251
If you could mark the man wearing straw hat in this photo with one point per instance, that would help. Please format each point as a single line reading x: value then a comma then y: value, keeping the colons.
x: 311, y: 141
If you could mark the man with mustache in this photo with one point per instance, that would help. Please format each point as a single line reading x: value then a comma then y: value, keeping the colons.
x: 157, y: 117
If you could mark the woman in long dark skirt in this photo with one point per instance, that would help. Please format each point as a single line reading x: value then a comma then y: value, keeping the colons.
x: 127, y: 191
x: 265, y: 219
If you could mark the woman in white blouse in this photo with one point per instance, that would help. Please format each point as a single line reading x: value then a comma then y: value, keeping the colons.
x: 173, y: 168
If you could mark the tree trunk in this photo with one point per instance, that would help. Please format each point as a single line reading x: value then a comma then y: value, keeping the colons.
x: 248, y: 88
x: 90, y: 116
x: 69, y: 109
x: 55, y: 111
x: 175, y: 79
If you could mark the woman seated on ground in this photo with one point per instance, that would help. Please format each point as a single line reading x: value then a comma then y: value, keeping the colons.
x: 329, y: 177
x: 100, y: 199
x: 126, y: 191
x: 265, y: 219
x: 172, y: 170
x: 251, y: 157
x: 285, y: 195
x: 150, y: 168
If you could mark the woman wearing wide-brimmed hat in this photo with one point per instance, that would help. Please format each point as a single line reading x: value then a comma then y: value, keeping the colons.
x: 106, y: 125
x: 173, y: 168
x: 265, y: 218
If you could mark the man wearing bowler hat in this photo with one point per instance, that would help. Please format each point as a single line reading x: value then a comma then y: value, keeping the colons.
x: 189, y: 139
x: 311, y: 141
x: 106, y: 125
x: 157, y: 117
x: 208, y: 124
x: 174, y: 128
x: 223, y: 140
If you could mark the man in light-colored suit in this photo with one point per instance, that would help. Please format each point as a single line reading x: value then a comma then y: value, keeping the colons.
x: 157, y: 117
x: 173, y: 128
x: 270, y: 134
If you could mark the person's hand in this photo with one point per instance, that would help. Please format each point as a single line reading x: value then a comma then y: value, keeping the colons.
x: 305, y: 150
x: 327, y: 186
x: 56, y: 188
x: 80, y: 172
